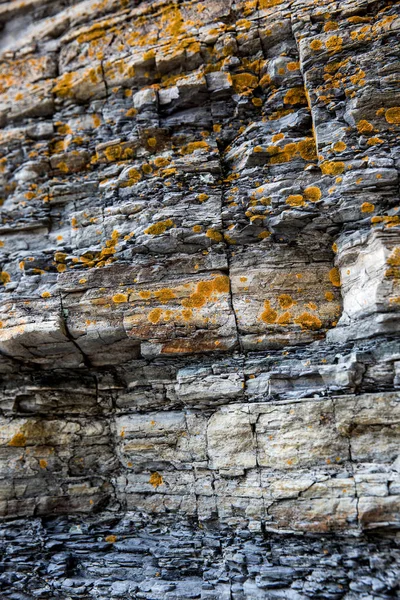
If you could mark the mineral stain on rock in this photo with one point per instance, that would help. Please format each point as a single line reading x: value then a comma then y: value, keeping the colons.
x: 199, y: 299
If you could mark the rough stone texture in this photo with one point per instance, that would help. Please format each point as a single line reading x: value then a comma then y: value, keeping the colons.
x: 199, y: 299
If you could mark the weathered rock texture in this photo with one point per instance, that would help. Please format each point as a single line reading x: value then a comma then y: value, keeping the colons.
x: 200, y: 299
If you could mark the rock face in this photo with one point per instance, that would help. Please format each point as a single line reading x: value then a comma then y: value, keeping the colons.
x: 199, y: 299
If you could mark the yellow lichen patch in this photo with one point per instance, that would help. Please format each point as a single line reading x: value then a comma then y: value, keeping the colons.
x: 145, y: 294
x: 364, y: 126
x: 160, y: 161
x: 316, y: 45
x: 147, y: 169
x: 63, y: 85
x: 334, y: 43
x: 160, y: 227
x: 43, y: 463
x: 46, y: 295
x: 392, y: 115
x: 307, y: 149
x: 374, y: 141
x: 156, y: 480
x: 295, y: 95
x: 268, y: 3
x: 205, y: 291
x: 164, y: 295
x: 264, y: 235
x: 339, y: 146
x: 193, y: 146
x: 332, y: 167
x: 244, y: 82
x: 120, y: 298
x: 285, y: 301
x: 18, y: 440
x: 214, y: 235
x: 308, y: 321
x: 111, y: 539
x: 329, y: 296
x: 331, y: 26
x: 269, y: 315
x: 390, y: 221
x: 312, y: 193
x: 293, y: 66
x: 334, y: 277
x: 202, y: 197
x: 295, y: 200
x: 154, y: 315
x: 5, y: 277
x: 257, y: 101
x: 284, y: 318
x: 367, y: 207
x: 277, y: 137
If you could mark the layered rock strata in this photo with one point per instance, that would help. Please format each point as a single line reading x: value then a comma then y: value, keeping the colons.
x: 199, y: 299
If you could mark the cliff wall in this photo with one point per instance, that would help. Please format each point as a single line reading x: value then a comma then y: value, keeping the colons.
x: 199, y: 299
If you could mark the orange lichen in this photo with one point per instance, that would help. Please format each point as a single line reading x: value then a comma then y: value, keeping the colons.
x: 214, y: 235
x: 308, y: 321
x: 285, y: 301
x: 244, y: 82
x: 332, y: 167
x: 160, y: 161
x: 316, y: 45
x: 156, y: 479
x: 295, y: 200
x: 193, y: 146
x: 154, y: 315
x: 392, y: 115
x: 111, y: 539
x: 331, y: 26
x: 42, y: 463
x: 164, y: 295
x: 334, y: 277
x: 268, y: 3
x: 202, y: 197
x: 339, y: 146
x: 46, y: 295
x: 367, y: 207
x: 307, y: 149
x: 269, y: 315
x: 329, y: 296
x: 120, y: 298
x: 334, y: 43
x: 364, y: 126
x: 295, y: 95
x: 18, y: 440
x: 205, y: 291
x: 293, y: 66
x: 5, y: 277
x: 312, y: 193
x: 160, y: 227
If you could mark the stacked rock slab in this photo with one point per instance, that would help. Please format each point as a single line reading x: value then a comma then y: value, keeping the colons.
x: 199, y: 299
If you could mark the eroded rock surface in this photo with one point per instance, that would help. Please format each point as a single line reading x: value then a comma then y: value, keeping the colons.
x: 199, y: 299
